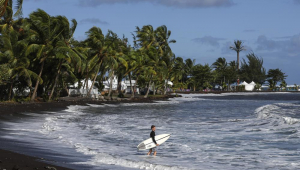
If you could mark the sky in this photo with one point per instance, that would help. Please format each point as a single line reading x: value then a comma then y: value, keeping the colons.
x: 204, y: 29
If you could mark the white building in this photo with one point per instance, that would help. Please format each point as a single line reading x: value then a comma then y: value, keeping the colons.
x: 128, y: 87
x: 125, y: 85
x: 75, y: 91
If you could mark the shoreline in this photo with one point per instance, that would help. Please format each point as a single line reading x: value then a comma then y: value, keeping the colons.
x: 16, y: 161
x: 224, y: 92
x: 12, y: 160
x: 15, y: 108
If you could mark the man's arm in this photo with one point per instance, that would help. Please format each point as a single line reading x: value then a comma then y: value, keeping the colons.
x: 153, y: 139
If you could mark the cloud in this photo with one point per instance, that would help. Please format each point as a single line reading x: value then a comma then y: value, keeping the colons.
x: 93, y: 21
x: 284, y: 37
x: 169, y: 3
x: 297, y: 2
x: 209, y: 40
x: 290, y: 46
x: 250, y: 30
x: 225, y: 47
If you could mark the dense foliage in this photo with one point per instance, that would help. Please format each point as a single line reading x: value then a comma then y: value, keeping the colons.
x: 39, y: 54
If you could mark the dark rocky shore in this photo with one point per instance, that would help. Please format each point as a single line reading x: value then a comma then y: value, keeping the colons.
x: 15, y: 161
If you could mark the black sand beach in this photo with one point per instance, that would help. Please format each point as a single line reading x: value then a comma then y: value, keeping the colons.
x: 16, y: 161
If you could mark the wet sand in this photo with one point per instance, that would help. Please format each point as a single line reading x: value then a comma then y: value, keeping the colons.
x: 16, y: 161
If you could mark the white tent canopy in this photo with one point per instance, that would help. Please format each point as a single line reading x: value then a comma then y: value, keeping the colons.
x: 248, y: 87
x: 252, y: 83
x: 244, y: 83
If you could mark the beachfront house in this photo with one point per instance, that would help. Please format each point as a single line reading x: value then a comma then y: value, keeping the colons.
x: 292, y: 88
x: 114, y: 82
x: 128, y: 86
x: 81, y: 90
x: 125, y: 85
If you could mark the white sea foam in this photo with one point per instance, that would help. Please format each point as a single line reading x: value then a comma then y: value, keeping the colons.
x: 96, y: 105
x: 103, y: 158
x: 205, y: 140
x: 275, y: 112
x: 76, y: 108
x: 290, y: 120
x: 265, y: 111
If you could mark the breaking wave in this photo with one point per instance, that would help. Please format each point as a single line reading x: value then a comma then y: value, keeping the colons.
x: 277, y: 113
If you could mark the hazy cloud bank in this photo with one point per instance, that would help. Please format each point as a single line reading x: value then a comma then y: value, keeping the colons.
x: 93, y: 21
x: 291, y: 46
x: 169, y: 3
x: 209, y: 40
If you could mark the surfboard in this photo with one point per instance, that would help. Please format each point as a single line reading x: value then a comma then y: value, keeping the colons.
x: 148, y: 144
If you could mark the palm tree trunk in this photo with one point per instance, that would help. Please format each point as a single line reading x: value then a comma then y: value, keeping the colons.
x: 131, y: 88
x: 55, y: 81
x: 30, y: 91
x: 238, y: 60
x: 89, y: 93
x: 85, y: 86
x: 10, y: 91
x: 119, y: 88
x: 134, y: 87
x: 148, y: 88
x: 165, y: 87
x: 111, y: 83
x: 37, y: 82
x: 87, y: 83
x: 154, y: 90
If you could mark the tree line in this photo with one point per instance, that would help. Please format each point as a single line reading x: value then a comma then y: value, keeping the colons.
x: 39, y: 53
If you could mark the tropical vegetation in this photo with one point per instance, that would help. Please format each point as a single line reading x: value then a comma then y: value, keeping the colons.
x: 39, y: 54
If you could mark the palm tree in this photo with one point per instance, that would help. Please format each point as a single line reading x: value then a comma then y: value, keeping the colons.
x: 63, y: 51
x: 15, y: 55
x: 45, y: 32
x: 220, y: 66
x: 146, y: 37
x: 163, y: 38
x: 104, y: 49
x: 6, y: 5
x: 238, y: 47
x: 154, y: 65
x: 283, y: 84
x: 179, y: 70
x: 135, y: 67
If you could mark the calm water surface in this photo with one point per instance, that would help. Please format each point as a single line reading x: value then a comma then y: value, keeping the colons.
x: 227, y: 131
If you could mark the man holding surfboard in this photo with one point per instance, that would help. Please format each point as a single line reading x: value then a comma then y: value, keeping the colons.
x: 152, y: 135
x: 153, y: 141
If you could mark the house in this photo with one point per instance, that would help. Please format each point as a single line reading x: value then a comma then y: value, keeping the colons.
x: 128, y: 87
x: 75, y: 90
x: 125, y: 85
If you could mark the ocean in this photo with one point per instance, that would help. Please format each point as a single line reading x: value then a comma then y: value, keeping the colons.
x: 208, y: 131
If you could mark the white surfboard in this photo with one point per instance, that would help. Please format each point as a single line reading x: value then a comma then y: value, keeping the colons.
x: 148, y: 144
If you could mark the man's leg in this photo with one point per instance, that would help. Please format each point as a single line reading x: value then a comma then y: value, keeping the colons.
x: 150, y: 151
x: 155, y: 149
